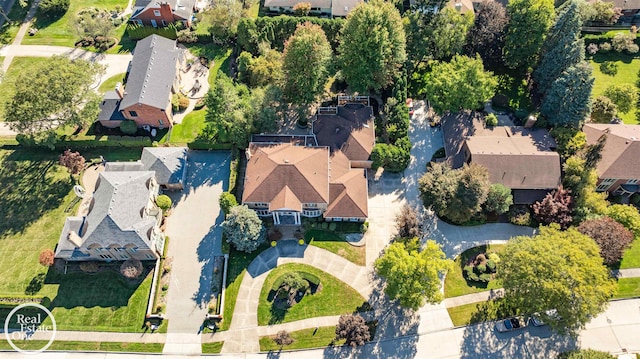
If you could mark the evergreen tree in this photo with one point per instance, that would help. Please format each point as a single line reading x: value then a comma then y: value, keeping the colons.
x: 568, y: 102
x: 562, y: 48
x: 529, y: 21
x: 486, y: 36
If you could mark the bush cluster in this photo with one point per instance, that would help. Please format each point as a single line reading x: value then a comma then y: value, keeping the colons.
x: 53, y: 8
x: 482, y: 267
x: 128, y: 127
x: 137, y: 31
x: 520, y: 216
x: 609, y: 68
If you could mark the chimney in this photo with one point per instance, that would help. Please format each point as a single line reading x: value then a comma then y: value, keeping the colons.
x: 119, y: 90
x: 531, y: 120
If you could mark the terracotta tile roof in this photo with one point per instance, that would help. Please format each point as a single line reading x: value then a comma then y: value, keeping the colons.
x: 621, y: 153
x: 349, y: 195
x: 274, y: 167
x: 351, y: 131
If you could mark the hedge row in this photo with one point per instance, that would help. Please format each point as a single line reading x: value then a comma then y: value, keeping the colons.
x: 601, y: 38
x: 311, y: 278
x: 204, y: 145
x: 276, y: 30
x: 137, y: 31
x: 14, y: 301
x: 113, y: 141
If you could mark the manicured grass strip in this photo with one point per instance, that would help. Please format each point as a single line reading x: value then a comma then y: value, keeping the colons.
x: 335, y: 243
x: 335, y: 297
x: 628, y: 67
x: 628, y: 288
x: 631, y: 257
x: 456, y: 285
x: 212, y: 348
x: 478, y: 312
x: 191, y: 126
x: 59, y: 31
x: 305, y: 338
x: 110, y: 83
x: 86, y: 346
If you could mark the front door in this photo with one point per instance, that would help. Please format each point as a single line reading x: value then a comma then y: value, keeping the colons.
x: 286, y: 218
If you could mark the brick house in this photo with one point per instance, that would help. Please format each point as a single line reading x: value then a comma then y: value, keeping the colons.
x: 152, y: 79
x: 162, y: 13
x: 619, y: 169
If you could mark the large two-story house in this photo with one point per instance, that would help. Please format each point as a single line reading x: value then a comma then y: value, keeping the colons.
x: 152, y: 79
x: 322, y: 174
x: 619, y: 167
x: 163, y: 12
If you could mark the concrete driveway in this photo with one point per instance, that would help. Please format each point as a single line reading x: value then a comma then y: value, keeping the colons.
x: 195, y: 237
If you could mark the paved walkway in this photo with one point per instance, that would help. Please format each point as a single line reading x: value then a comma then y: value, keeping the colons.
x: 626, y: 273
x: 245, y: 317
x: 89, y: 180
x: 26, y: 23
x: 192, y: 245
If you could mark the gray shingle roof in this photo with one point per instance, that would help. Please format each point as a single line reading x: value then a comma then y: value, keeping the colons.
x: 109, y: 107
x: 168, y: 163
x: 117, y: 213
x: 153, y: 69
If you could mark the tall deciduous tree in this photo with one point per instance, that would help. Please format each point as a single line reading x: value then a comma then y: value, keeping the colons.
x: 58, y: 94
x: 624, y: 96
x: 372, y: 47
x: 486, y: 36
x: 408, y: 223
x: 413, y: 277
x: 556, y: 207
x: 460, y: 84
x: 222, y: 18
x: 438, y: 186
x: 611, y: 237
x: 304, y: 63
x: 562, y: 47
x: 244, y: 229
x: 471, y: 192
x: 499, y: 199
x: 447, y: 33
x: 603, y: 110
x: 353, y: 328
x: 73, y: 161
x: 529, y: 21
x: 559, y: 270
x: 568, y: 101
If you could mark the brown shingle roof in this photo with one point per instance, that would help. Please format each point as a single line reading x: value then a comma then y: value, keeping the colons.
x: 621, y: 153
x: 272, y: 168
x: 349, y: 195
x: 351, y: 130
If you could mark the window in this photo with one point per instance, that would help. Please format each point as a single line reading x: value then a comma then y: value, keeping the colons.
x: 156, y: 12
x: 632, y: 181
x: 160, y: 122
x: 149, y: 256
x: 262, y: 212
x: 605, y: 184
x: 311, y: 205
x: 164, y: 23
x: 133, y: 114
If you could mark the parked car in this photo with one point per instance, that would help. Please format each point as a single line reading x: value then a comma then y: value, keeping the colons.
x: 510, y: 324
x: 536, y: 321
x: 410, y: 106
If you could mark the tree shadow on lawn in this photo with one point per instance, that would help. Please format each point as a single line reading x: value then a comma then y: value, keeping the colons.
x: 29, y: 189
x: 103, y: 289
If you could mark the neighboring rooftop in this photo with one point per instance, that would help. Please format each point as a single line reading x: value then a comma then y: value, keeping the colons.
x: 322, y: 4
x: 168, y: 163
x: 110, y: 107
x: 343, y: 7
x: 181, y: 8
x: 152, y: 72
x: 621, y: 153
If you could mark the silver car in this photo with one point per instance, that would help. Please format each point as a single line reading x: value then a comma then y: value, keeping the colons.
x: 510, y: 324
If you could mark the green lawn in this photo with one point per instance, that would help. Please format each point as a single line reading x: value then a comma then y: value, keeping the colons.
x: 455, y: 284
x: 631, y: 257
x: 212, y: 348
x: 60, y: 31
x: 306, y: 338
x: 188, y: 130
x: 10, y: 29
x: 86, y: 346
x: 125, y: 44
x: 37, y: 196
x: 478, y: 312
x: 628, y: 67
x: 628, y: 288
x: 110, y: 83
x: 335, y: 243
x: 18, y: 65
x: 335, y: 297
x: 237, y: 268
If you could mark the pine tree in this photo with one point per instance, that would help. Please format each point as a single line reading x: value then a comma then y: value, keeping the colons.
x: 562, y: 48
x: 568, y: 102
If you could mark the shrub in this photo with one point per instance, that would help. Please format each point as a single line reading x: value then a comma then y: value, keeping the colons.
x: 353, y: 328
x: 89, y: 267
x: 273, y: 243
x: 603, y: 110
x: 302, y: 8
x: 485, y: 277
x: 605, y: 47
x: 47, y: 258
x: 324, y: 225
x: 556, y: 207
x: 165, y: 287
x: 363, y: 227
x: 521, y: 113
x: 468, y: 270
x: 611, y: 236
x: 592, y: 49
x: 623, y: 42
x: 491, y: 265
x: 227, y: 200
x: 179, y: 102
x: 164, y: 202
x: 187, y: 37
x: 53, y: 8
x: 131, y: 268
x: 407, y: 222
x: 494, y: 257
x: 482, y: 268
x: 283, y: 338
x: 301, y: 242
x: 473, y: 277
x: 500, y: 101
x: 609, y: 68
x: 480, y: 258
x: 520, y: 216
x: 491, y: 120
x: 332, y: 226
x: 128, y: 127
x: 199, y: 104
x: 73, y: 161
